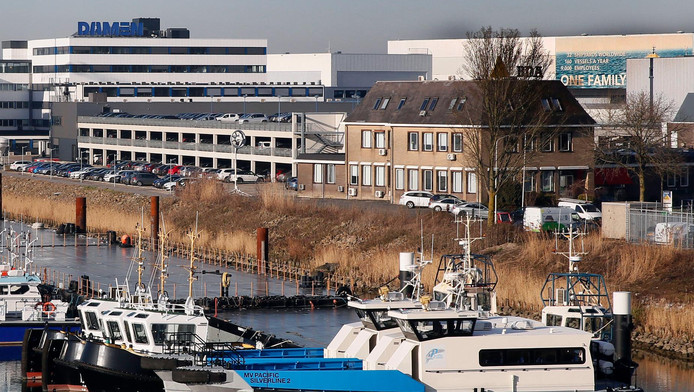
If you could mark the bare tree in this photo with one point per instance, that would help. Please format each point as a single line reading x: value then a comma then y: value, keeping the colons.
x: 510, y: 106
x: 634, y: 138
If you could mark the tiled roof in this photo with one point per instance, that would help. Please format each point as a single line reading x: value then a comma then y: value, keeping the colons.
x: 471, y: 113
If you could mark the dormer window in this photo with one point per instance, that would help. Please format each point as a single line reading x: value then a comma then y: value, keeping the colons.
x: 377, y: 104
x: 557, y: 105
x: 551, y: 104
x: 546, y: 105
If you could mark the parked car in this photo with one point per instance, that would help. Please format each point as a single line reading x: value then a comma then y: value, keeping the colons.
x: 173, y: 184
x: 441, y: 196
x: 550, y: 219
x: 253, y: 118
x: 222, y: 174
x: 175, y: 169
x: 280, y: 117
x: 587, y: 211
x: 79, y: 174
x: 96, y: 175
x: 242, y: 176
x: 160, y: 182
x: 444, y: 204
x: 112, y: 176
x: 125, y: 176
x: 162, y: 170
x: 475, y: 210
x: 143, y: 178
x: 414, y: 199
x: 292, y: 184
x: 18, y: 165
x: 228, y: 117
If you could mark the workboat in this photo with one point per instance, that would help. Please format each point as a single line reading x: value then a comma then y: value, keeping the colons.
x: 581, y: 301
x: 126, y: 337
x: 453, y: 342
x: 25, y: 301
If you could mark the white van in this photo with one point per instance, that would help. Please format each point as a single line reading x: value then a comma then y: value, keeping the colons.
x: 584, y: 209
x: 539, y: 219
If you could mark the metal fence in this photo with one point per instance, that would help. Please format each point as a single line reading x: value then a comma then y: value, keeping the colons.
x: 662, y: 227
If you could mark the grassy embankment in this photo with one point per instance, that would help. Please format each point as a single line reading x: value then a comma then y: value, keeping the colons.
x: 365, y: 244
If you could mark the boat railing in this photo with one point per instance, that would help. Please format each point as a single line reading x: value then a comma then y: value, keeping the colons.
x: 204, y: 353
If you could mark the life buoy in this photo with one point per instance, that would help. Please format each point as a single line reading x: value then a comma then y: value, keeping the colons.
x: 226, y: 279
x: 48, y: 308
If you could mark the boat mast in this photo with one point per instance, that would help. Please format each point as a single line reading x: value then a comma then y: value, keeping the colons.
x: 163, y: 274
x: 140, y: 259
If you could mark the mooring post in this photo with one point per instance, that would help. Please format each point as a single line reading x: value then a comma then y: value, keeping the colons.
x: 262, y: 249
x: 154, y: 220
x: 81, y: 215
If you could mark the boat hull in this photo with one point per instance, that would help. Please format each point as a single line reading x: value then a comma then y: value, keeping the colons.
x: 12, y: 335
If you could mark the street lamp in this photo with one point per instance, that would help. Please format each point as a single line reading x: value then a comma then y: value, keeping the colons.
x: 23, y: 147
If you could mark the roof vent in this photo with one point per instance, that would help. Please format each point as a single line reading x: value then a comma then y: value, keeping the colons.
x: 422, y: 113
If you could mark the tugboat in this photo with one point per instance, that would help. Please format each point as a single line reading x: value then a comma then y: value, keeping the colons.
x: 581, y: 301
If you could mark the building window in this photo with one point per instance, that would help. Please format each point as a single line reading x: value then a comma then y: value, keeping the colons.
x: 684, y: 177
x: 565, y: 141
x: 377, y: 104
x: 330, y: 174
x: 452, y: 104
x: 380, y: 174
x: 565, y: 182
x: 365, y: 139
x: 413, y: 144
x: 442, y: 180
x: 353, y: 175
x: 402, y: 102
x: 546, y: 105
x: 530, y: 181
x: 317, y: 173
x: 471, y: 182
x: 457, y: 142
x: 529, y: 143
x: 399, y: 179
x: 428, y: 180
x: 428, y: 141
x: 412, y: 180
x: 380, y: 139
x: 457, y: 181
x: 547, y: 143
x: 384, y: 104
x: 547, y: 181
x: 461, y: 103
x: 671, y: 180
x: 424, y: 104
x: 557, y: 105
x: 434, y: 101
x: 366, y: 175
x: 442, y: 141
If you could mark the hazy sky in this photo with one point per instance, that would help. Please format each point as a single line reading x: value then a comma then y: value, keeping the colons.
x: 350, y: 25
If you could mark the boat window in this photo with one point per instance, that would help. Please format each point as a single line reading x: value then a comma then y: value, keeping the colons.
x: 159, y: 333
x: 92, y: 322
x: 114, y: 330
x: 593, y: 324
x: 554, y: 320
x: 382, y: 320
x: 93, y: 304
x: 114, y: 313
x: 179, y: 333
x: 127, y: 331
x: 434, y: 329
x: 19, y: 289
x: 142, y: 316
x: 3, y: 290
x: 140, y: 333
x: 573, y: 322
x: 532, y: 356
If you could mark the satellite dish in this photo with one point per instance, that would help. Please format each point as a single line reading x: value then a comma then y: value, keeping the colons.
x: 238, y: 139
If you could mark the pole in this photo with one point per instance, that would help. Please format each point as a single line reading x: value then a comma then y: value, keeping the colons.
x: 523, y: 182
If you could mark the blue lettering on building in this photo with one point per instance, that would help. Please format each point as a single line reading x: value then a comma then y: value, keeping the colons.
x: 106, y: 29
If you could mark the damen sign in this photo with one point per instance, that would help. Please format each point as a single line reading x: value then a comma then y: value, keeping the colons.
x: 106, y: 29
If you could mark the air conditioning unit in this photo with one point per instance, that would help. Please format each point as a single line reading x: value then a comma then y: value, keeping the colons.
x: 382, y: 151
x: 379, y: 194
x: 422, y: 113
x: 340, y: 188
x: 352, y: 191
x: 302, y: 187
x: 450, y: 157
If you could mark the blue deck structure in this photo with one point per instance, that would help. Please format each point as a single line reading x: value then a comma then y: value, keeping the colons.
x: 332, y: 380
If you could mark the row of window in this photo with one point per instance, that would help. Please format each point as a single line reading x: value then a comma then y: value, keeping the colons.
x: 24, y: 123
x: 14, y: 105
x: 681, y: 178
x: 148, y: 50
x: 445, y: 140
x: 150, y: 68
x: 412, y: 179
x: 13, y: 87
x: 205, y: 91
x: 551, y: 105
x: 532, y: 356
x: 429, y: 103
x: 14, y: 67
